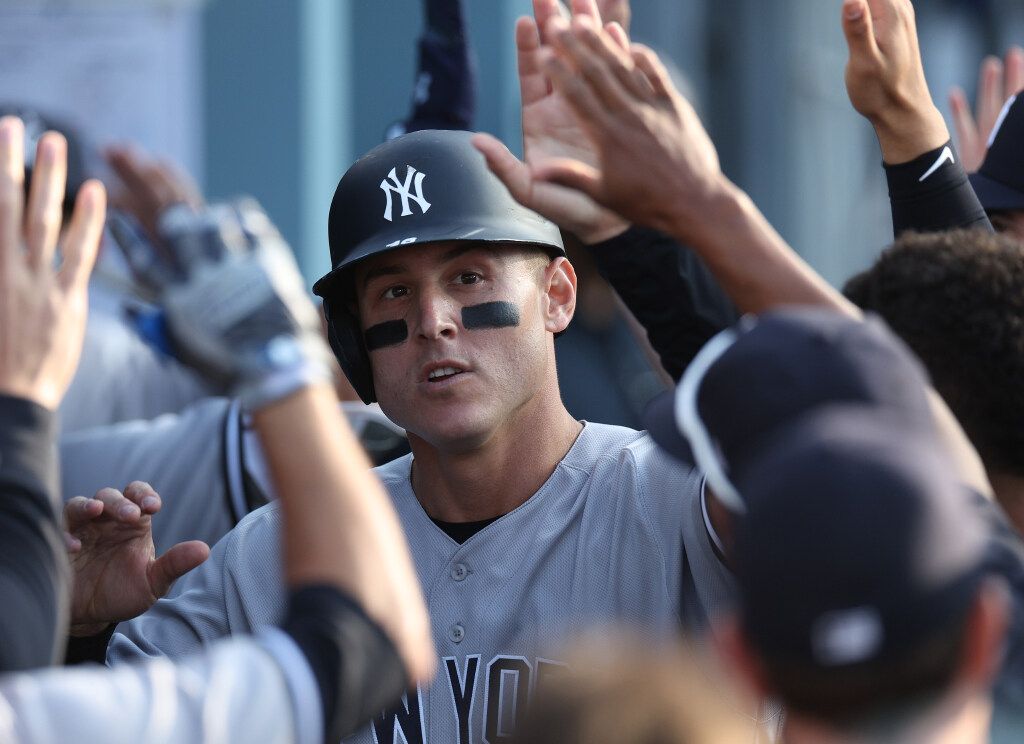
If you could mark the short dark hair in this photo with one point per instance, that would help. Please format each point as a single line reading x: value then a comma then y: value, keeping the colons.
x: 957, y: 299
x: 859, y: 694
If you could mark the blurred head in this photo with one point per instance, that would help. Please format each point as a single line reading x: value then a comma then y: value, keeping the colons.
x: 633, y: 693
x: 999, y: 183
x: 760, y: 376
x: 957, y: 299
x: 863, y: 596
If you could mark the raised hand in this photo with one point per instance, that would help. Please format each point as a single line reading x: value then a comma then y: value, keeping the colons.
x: 42, y: 307
x: 551, y: 130
x: 885, y: 78
x: 116, y: 573
x: 998, y: 81
x: 150, y: 187
x: 656, y: 164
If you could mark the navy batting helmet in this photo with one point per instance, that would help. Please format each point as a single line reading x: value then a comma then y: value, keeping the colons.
x: 425, y: 187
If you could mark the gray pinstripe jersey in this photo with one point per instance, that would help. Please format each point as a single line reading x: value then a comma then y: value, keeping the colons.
x: 614, y: 536
x: 240, y: 690
x: 198, y: 460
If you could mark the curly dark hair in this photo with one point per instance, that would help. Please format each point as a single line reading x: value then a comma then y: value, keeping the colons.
x: 957, y: 299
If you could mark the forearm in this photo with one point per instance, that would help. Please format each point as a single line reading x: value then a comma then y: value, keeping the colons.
x: 324, y: 485
x: 751, y: 261
x: 340, y: 537
x: 646, y: 267
x: 931, y: 193
x: 904, y: 132
x: 33, y: 563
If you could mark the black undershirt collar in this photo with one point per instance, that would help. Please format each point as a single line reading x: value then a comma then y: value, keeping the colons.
x: 462, y: 531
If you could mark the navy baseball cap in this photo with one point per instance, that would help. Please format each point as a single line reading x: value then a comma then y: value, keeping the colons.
x: 859, y: 544
x: 999, y: 183
x: 765, y: 372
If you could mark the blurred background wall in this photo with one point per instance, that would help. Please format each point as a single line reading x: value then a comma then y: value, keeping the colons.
x: 277, y: 97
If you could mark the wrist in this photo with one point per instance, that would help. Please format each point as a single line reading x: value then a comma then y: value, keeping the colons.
x: 86, y: 630
x: 696, y: 219
x: 603, y: 232
x: 906, y: 136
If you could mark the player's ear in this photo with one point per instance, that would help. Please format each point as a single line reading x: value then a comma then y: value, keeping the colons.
x: 559, y: 287
x: 985, y: 633
x: 740, y: 657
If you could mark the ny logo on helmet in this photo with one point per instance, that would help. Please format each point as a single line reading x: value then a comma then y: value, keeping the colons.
x: 414, y: 179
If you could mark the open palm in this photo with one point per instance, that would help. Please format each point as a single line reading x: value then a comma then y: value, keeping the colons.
x: 551, y: 131
x: 116, y: 572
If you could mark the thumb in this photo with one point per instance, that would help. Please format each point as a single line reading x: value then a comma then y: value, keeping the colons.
x: 859, y: 29
x: 509, y: 169
x: 573, y: 174
x: 176, y: 562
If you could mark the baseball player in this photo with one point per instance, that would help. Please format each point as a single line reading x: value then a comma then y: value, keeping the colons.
x: 525, y: 525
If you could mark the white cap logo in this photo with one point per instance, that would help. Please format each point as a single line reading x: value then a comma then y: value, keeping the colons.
x: 847, y: 636
x: 413, y: 180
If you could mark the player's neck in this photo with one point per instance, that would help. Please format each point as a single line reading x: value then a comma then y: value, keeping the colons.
x: 499, y: 475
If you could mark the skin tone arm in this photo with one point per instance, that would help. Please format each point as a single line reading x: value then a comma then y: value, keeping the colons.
x: 658, y: 167
x: 340, y: 527
x: 998, y: 81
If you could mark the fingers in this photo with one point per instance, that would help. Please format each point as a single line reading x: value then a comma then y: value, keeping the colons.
x: 596, y: 89
x: 588, y: 9
x: 512, y: 172
x: 83, y: 237
x: 573, y: 174
x: 144, y: 496
x: 79, y: 511
x: 654, y: 70
x: 963, y: 119
x: 1013, y: 69
x: 990, y: 92
x: 175, y: 563
x: 43, y: 219
x: 617, y: 34
x: 12, y: 194
x: 116, y: 506
x: 533, y: 82
x: 859, y: 31
x: 71, y: 544
x: 617, y: 59
x: 543, y: 12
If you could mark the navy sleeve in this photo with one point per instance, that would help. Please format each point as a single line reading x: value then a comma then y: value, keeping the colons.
x: 34, y: 571
x: 670, y: 291
x: 932, y: 193
x: 444, y: 96
x: 357, y: 669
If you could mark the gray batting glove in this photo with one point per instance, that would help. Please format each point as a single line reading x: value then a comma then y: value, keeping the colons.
x: 238, y: 310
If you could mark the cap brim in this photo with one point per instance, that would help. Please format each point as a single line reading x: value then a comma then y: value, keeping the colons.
x: 995, y: 196
x: 660, y: 421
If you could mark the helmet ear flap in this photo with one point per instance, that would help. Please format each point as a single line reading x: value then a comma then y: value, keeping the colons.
x: 346, y: 340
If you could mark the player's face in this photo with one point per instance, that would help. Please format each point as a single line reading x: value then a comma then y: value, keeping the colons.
x: 459, y: 335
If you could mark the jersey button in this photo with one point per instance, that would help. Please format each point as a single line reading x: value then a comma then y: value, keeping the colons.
x: 459, y: 572
x: 457, y: 633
